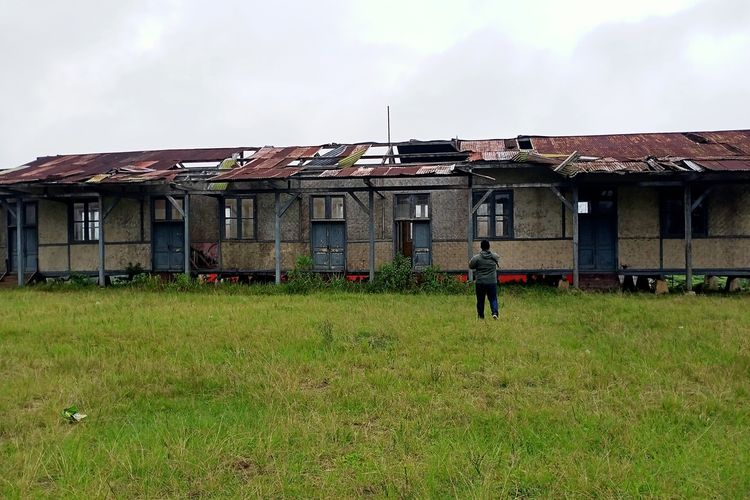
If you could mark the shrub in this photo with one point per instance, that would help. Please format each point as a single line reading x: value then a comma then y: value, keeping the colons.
x: 147, y: 282
x: 133, y: 270
x: 395, y: 276
x: 302, y: 279
x: 435, y: 281
x: 80, y: 280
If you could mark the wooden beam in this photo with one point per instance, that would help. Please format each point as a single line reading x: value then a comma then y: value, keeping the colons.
x: 371, y: 233
x: 566, y: 161
x: 481, y: 200
x: 106, y: 212
x: 470, y: 228
x: 700, y: 199
x: 688, y: 237
x: 567, y: 204
x: 176, y: 205
x: 576, y: 277
x: 277, y: 236
x: 359, y: 202
x: 20, y: 257
x: 288, y: 204
x: 102, y: 275
x: 186, y: 218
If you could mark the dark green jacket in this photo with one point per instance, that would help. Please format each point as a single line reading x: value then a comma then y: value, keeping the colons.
x: 485, y: 264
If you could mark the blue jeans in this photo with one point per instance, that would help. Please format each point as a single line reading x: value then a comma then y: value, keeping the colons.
x: 489, y: 291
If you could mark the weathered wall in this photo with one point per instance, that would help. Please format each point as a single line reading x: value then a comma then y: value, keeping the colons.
x: 638, y: 228
x: 118, y: 257
x: 729, y: 211
x: 204, y: 219
x: 123, y: 222
x: 358, y: 256
x: 259, y: 256
x: 638, y: 253
x: 528, y: 255
x: 52, y: 222
x: 53, y: 258
x: 638, y: 212
x: 537, y: 213
x: 84, y: 257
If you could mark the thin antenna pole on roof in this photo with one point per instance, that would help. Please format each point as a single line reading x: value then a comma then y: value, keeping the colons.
x: 389, y: 152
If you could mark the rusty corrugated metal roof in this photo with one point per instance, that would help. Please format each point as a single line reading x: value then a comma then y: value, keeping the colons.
x: 618, y: 153
x: 135, y: 166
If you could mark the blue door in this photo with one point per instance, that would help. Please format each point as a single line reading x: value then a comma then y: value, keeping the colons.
x: 169, y: 246
x: 421, y: 243
x: 28, y: 237
x: 597, y: 232
x: 329, y: 241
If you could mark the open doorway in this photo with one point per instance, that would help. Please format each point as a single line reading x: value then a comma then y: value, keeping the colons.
x: 412, y: 231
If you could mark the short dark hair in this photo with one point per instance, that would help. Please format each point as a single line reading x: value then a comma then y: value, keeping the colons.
x: 485, y: 245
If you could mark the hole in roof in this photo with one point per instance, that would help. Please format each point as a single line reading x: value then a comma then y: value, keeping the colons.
x: 378, y: 152
x: 432, y: 152
x: 696, y: 138
x: 524, y: 143
x: 247, y: 153
x: 200, y: 164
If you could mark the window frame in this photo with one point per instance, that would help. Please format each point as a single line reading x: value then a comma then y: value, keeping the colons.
x: 492, y: 215
x: 86, y: 222
x: 169, y: 211
x: 412, y: 200
x: 328, y: 208
x: 677, y: 199
x: 240, y: 217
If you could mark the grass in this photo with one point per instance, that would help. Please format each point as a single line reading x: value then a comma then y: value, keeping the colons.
x: 348, y: 395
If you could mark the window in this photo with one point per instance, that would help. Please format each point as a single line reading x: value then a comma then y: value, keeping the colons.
x: 85, y: 221
x: 239, y: 218
x: 412, y: 206
x: 165, y: 211
x: 494, y: 217
x: 328, y: 207
x: 673, y: 215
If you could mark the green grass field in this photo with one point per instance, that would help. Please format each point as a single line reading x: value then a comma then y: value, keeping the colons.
x: 347, y: 395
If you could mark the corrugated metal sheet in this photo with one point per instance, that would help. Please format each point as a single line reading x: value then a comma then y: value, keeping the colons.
x: 136, y: 166
x: 620, y: 153
x: 719, y: 165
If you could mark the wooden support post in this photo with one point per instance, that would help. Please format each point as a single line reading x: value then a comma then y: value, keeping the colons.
x: 277, y: 235
x: 470, y: 228
x: 575, y: 238
x: 688, y: 206
x: 102, y: 277
x: 20, y: 257
x: 371, y: 215
x: 186, y: 218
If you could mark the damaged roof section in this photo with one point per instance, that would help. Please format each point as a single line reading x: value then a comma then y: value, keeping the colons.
x: 566, y: 155
x: 621, y: 153
x: 100, y: 168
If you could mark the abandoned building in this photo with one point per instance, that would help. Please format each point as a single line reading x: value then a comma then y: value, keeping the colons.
x: 578, y: 206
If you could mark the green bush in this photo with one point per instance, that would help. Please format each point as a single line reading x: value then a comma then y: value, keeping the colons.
x: 80, y: 280
x: 302, y: 279
x: 147, y: 282
x: 395, y: 276
x: 433, y: 280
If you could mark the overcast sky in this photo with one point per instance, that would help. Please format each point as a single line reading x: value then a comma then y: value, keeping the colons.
x: 91, y: 75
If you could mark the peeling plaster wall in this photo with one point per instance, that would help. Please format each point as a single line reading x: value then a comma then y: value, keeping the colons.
x: 204, y: 219
x: 123, y: 222
x: 84, y: 257
x: 256, y: 256
x: 52, y: 222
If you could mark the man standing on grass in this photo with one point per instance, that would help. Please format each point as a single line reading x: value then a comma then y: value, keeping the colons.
x: 485, y: 265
